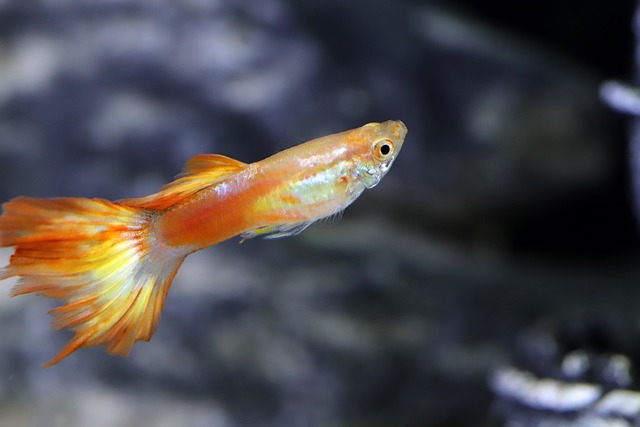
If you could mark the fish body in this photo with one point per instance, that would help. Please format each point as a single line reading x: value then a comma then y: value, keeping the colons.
x: 283, y: 193
x: 112, y: 262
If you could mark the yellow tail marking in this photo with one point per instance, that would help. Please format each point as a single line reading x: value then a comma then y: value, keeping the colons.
x: 96, y: 256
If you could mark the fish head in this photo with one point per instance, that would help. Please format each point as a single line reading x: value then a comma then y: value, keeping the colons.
x: 379, y: 145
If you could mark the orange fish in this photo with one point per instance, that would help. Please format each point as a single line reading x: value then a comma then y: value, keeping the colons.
x: 112, y: 263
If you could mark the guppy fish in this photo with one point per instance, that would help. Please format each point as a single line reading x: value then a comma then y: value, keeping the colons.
x: 112, y: 263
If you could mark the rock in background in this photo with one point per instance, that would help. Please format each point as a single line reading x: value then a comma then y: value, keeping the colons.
x: 507, y: 207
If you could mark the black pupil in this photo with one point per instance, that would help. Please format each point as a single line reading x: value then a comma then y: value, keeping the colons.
x: 385, y: 149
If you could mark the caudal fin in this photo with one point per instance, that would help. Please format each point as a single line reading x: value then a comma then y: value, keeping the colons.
x: 96, y: 256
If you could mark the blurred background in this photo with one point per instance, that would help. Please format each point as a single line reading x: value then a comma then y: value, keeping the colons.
x: 491, y: 279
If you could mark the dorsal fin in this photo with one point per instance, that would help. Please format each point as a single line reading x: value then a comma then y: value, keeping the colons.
x: 199, y: 172
x: 210, y: 164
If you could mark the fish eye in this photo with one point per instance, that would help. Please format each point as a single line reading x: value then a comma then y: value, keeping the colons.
x: 383, y: 149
